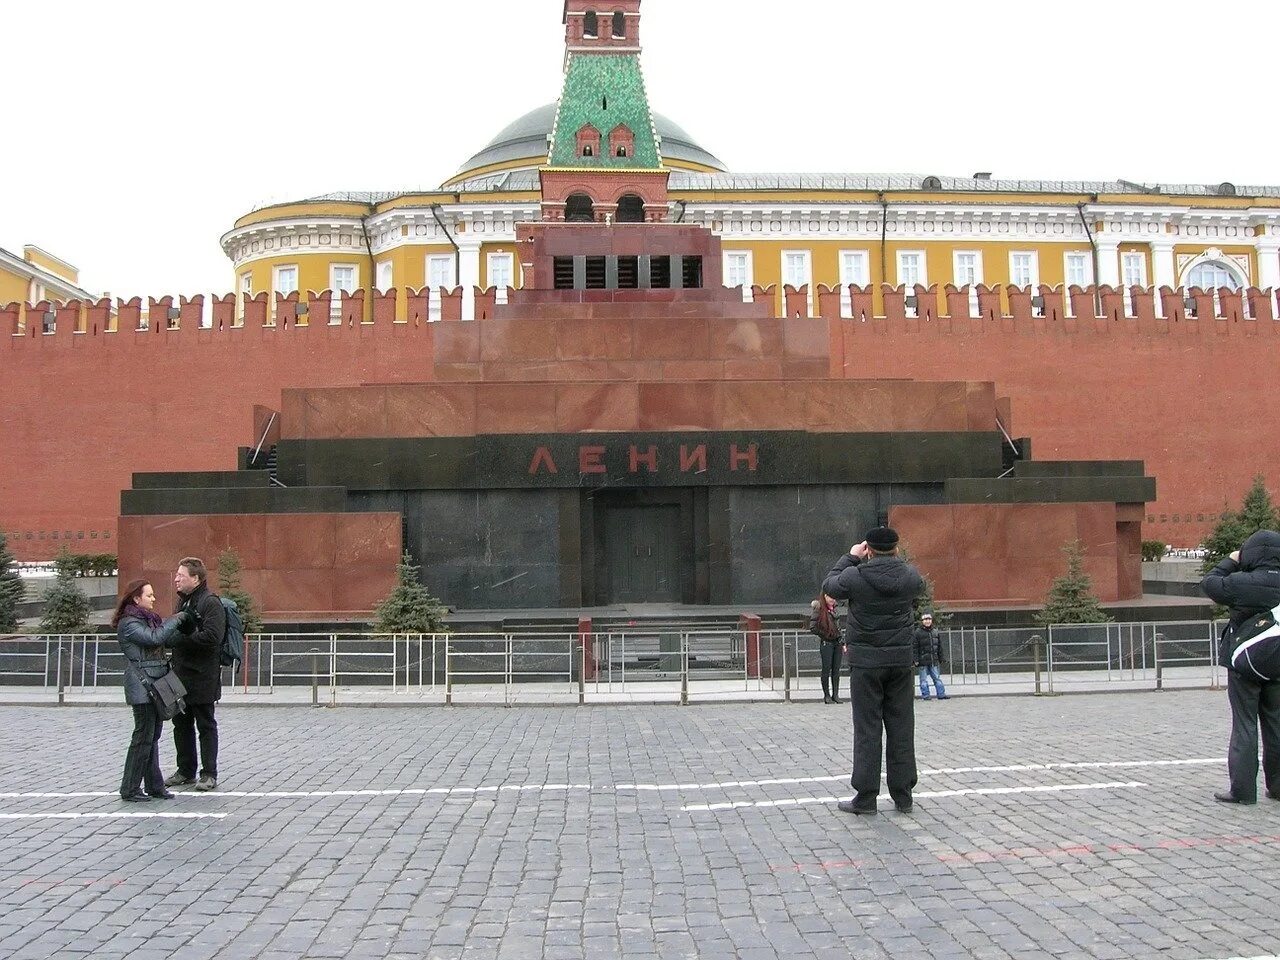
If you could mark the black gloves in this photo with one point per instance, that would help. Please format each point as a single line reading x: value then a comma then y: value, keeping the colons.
x: 186, y: 623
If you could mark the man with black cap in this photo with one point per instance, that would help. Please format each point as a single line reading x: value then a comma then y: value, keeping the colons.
x: 880, y: 588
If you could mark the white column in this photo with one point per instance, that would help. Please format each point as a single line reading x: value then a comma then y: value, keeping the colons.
x: 1162, y: 269
x: 1108, y: 260
x: 468, y: 274
x: 1269, y: 263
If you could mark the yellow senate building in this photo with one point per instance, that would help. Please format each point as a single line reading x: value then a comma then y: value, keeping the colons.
x: 804, y: 230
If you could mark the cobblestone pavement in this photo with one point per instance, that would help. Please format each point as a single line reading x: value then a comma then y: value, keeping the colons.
x: 1073, y: 827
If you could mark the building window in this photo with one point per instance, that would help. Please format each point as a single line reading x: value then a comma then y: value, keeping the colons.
x: 738, y: 272
x: 622, y: 141
x: 630, y: 209
x: 588, y: 139
x: 341, y: 277
x: 591, y: 25
x: 691, y: 273
x: 579, y: 209
x: 854, y: 268
x: 501, y: 274
x: 1211, y: 275
x: 284, y: 280
x: 1024, y: 270
x: 911, y: 269
x: 619, y: 25
x: 796, y: 268
x: 968, y: 272
x: 562, y: 273
x: 1133, y: 268
x: 660, y: 273
x: 386, y: 275
x: 1078, y: 269
x: 628, y: 273
x: 246, y: 294
x: 440, y: 273
x: 597, y: 273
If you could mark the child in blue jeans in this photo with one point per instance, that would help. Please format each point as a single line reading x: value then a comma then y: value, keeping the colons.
x: 928, y: 657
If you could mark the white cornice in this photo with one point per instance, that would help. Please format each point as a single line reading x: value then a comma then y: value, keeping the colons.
x: 54, y: 285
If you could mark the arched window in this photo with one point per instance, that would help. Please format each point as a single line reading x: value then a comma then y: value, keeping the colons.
x: 579, y: 209
x: 621, y: 152
x: 1213, y: 274
x: 630, y: 209
x: 587, y: 150
x: 619, y: 25
x: 590, y: 25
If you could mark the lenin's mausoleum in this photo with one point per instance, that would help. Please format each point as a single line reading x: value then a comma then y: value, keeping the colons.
x: 596, y: 368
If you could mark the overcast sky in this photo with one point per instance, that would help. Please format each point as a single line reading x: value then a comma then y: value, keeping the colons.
x: 139, y: 131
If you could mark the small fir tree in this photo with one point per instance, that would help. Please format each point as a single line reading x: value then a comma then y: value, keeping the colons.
x: 925, y: 601
x: 409, y: 608
x: 229, y: 586
x: 1234, y: 528
x: 66, y: 608
x: 1071, y: 598
x: 11, y: 589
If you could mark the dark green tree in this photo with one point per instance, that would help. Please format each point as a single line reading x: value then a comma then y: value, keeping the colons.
x: 66, y: 608
x: 925, y: 601
x: 1235, y: 527
x: 11, y: 589
x: 1071, y: 598
x: 409, y: 608
x: 229, y: 586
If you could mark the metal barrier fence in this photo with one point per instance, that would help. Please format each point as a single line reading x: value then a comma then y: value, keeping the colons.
x: 662, y: 664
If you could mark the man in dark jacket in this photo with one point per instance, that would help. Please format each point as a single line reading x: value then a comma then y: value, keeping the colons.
x: 197, y: 660
x: 880, y: 589
x: 928, y: 657
x: 1248, y: 582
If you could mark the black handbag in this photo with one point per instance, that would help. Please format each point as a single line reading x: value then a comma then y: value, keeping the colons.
x: 166, y: 691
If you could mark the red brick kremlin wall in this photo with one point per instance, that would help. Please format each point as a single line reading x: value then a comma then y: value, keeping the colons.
x: 84, y: 408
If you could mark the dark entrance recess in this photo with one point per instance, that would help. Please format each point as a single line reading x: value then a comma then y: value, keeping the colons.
x: 644, y: 546
x: 579, y: 209
x: 630, y: 208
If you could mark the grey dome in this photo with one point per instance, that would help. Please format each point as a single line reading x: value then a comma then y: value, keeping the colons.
x: 527, y: 137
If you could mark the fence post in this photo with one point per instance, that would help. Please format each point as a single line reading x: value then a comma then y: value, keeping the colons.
x: 1159, y: 665
x: 333, y: 669
x: 582, y: 668
x: 448, y: 671
x: 684, y: 669
x: 1214, y: 640
x: 315, y: 676
x: 786, y: 672
x: 1037, y: 642
x: 749, y: 624
x: 62, y: 698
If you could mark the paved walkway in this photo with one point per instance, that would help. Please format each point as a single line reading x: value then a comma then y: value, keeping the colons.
x: 1066, y: 827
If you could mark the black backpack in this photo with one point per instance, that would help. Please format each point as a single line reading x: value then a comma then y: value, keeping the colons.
x: 1257, y: 647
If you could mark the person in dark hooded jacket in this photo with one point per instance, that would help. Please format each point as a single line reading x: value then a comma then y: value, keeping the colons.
x: 880, y: 588
x: 1248, y: 583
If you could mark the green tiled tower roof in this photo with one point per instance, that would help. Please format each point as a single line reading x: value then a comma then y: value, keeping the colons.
x: 604, y: 90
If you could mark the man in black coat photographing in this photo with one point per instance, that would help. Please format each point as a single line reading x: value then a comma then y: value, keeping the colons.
x: 880, y: 588
x: 1248, y: 582
x: 197, y: 660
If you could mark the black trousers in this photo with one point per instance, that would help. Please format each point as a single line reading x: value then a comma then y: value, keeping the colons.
x: 830, y: 668
x: 882, y: 700
x: 184, y: 740
x: 142, y: 761
x: 1254, y: 703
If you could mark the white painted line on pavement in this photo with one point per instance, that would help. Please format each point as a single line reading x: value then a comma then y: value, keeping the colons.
x: 112, y: 815
x: 621, y: 787
x: 971, y: 791
x: 942, y: 771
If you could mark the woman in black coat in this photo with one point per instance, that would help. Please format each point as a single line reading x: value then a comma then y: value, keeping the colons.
x: 143, y: 635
